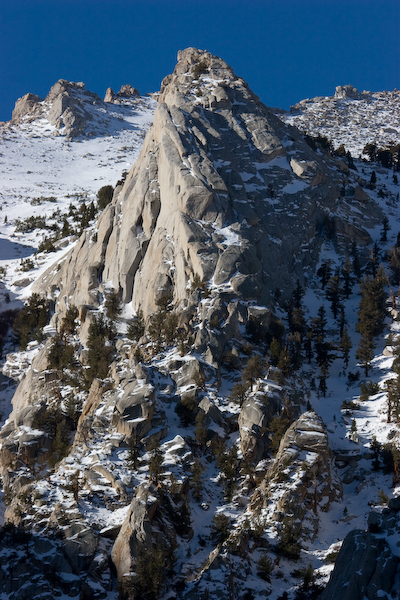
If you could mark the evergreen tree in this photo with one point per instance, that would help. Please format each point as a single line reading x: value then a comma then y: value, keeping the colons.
x: 356, y: 259
x: 60, y: 354
x: 372, y: 311
x: 298, y: 322
x: 68, y: 325
x: 346, y: 272
x: 113, y: 305
x: 376, y: 450
x: 323, y: 388
x: 365, y: 353
x: 28, y: 324
x: 345, y: 346
x: 373, y: 261
x: 133, y: 454
x: 394, y: 263
x: 155, y: 462
x: 333, y: 293
x: 253, y: 370
x: 372, y: 181
x: 298, y: 295
x: 275, y: 350
x: 319, y: 323
x: 385, y: 229
x: 308, y: 344
x: 324, y: 273
x: 238, y: 393
x: 99, y: 351
x: 284, y: 362
x: 295, y: 350
x: 136, y: 327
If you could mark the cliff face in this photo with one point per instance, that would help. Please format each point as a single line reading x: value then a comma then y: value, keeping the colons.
x: 219, y: 182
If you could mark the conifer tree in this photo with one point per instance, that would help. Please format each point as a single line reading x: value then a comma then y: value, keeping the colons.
x: 385, y: 229
x: 136, y: 326
x: 372, y: 311
x: 345, y: 346
x: 99, y: 351
x: 356, y: 259
x: 324, y: 273
x: 365, y: 353
x: 155, y: 462
x: 253, y: 370
x: 113, y: 305
x: 274, y: 351
x: 346, y: 272
x: 333, y: 293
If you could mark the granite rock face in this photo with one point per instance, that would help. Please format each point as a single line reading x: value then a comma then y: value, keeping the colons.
x: 303, y: 476
x: 365, y: 567
x: 219, y: 181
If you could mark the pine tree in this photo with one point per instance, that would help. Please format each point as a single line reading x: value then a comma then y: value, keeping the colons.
x: 373, y: 261
x: 376, y: 450
x: 298, y: 295
x: 113, y: 305
x: 136, y: 326
x: 365, y: 353
x: 346, y: 272
x: 274, y: 351
x: 155, y: 462
x: 99, y: 352
x: 356, y: 259
x: 324, y: 273
x: 372, y: 181
x: 385, y: 229
x: 253, y: 370
x: 333, y: 293
x: 372, y: 311
x: 345, y: 346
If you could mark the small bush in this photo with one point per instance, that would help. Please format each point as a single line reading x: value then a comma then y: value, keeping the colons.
x: 199, y: 69
x: 220, y: 528
x: 28, y: 324
x: 104, y: 196
x: 289, y: 544
x: 265, y: 567
x: 27, y: 264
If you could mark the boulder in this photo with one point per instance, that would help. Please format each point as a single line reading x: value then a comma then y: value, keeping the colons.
x: 365, y: 568
x: 27, y: 105
x: 255, y: 416
x: 304, y: 457
x: 347, y: 91
x: 135, y: 530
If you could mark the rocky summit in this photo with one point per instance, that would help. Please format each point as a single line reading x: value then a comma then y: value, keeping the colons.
x: 205, y: 404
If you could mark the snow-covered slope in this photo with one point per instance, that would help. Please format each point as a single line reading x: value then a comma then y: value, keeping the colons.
x: 350, y: 118
x: 42, y: 172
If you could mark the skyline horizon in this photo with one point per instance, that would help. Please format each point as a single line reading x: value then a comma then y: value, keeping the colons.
x: 287, y: 51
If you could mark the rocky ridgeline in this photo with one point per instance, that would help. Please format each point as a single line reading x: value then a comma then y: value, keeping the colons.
x: 350, y: 117
x: 201, y: 224
x: 219, y: 181
x: 71, y: 109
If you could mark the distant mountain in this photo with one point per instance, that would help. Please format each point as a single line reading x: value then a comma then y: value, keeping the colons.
x: 192, y: 415
x: 350, y: 117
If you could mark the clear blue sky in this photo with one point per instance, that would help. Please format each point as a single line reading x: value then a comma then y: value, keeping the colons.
x: 286, y: 50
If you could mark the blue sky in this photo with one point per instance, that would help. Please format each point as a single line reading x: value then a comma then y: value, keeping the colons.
x: 286, y: 50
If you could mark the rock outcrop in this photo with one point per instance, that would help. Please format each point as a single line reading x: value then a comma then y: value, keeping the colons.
x: 255, y: 415
x: 27, y: 105
x: 126, y: 92
x: 365, y: 568
x: 219, y: 180
x: 303, y: 477
x: 72, y: 109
